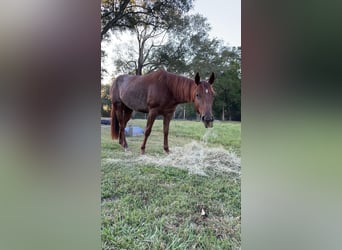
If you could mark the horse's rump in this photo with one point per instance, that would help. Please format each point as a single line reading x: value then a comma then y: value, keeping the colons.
x: 133, y: 91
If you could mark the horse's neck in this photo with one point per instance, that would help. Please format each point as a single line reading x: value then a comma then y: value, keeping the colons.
x: 184, y: 90
x: 190, y: 93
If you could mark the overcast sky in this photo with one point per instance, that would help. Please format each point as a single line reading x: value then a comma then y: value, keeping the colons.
x: 224, y: 17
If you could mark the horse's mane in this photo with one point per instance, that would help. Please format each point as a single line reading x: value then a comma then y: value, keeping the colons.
x: 181, y: 87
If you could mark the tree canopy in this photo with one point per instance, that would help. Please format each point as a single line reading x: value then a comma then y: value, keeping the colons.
x: 127, y: 14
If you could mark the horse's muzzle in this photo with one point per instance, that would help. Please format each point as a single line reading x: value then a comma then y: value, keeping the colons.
x: 208, y: 121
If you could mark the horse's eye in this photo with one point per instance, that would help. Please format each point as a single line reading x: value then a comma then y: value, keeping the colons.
x: 197, y: 95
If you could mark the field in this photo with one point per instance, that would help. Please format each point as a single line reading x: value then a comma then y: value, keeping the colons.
x: 189, y: 199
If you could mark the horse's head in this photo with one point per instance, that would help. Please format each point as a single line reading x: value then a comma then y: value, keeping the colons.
x: 203, y: 99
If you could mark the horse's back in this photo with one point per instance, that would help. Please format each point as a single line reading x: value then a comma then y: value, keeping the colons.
x: 140, y: 92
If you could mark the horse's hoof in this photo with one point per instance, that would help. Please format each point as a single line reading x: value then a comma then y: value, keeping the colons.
x: 143, y: 151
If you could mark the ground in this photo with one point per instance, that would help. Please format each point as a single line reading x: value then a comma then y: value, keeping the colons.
x: 189, y: 199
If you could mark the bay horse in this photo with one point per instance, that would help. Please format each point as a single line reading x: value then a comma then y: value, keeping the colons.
x: 157, y: 93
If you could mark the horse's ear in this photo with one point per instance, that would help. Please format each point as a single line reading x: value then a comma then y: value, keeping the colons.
x: 212, y: 78
x: 197, y: 78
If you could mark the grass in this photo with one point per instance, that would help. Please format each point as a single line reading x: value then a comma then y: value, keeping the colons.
x: 148, y: 206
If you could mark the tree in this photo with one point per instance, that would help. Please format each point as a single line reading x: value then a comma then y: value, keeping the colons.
x: 152, y: 16
x: 227, y: 102
x: 128, y: 14
x: 185, y: 41
x: 114, y: 14
x: 152, y: 21
x: 140, y: 57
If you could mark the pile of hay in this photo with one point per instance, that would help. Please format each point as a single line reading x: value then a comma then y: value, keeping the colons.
x: 198, y: 158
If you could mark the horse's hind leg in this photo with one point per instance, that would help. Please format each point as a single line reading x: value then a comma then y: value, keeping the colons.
x: 150, y: 120
x: 127, y: 114
x: 120, y: 115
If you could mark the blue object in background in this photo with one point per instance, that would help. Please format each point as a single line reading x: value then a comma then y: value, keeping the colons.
x: 129, y: 131
x: 133, y: 131
x: 105, y: 121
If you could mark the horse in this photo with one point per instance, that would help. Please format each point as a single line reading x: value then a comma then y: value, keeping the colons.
x: 157, y: 93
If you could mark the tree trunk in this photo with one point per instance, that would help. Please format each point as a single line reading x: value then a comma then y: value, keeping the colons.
x: 140, y: 60
x: 222, y: 112
x: 229, y: 114
x: 138, y: 71
x: 184, y: 112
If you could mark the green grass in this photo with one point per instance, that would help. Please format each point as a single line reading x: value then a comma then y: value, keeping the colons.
x: 152, y: 207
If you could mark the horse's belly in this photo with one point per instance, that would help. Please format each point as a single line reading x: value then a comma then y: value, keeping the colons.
x: 136, y: 101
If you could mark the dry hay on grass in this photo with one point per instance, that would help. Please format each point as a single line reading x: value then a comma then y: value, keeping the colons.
x: 196, y: 157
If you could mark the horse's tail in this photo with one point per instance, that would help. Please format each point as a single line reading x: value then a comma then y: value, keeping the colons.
x: 114, y: 125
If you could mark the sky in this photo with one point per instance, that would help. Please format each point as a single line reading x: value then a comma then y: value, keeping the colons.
x: 224, y: 17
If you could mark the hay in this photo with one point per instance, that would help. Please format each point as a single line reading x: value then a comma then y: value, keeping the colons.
x: 196, y: 157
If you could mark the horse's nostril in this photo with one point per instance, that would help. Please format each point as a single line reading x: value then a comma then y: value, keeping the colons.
x: 208, y: 118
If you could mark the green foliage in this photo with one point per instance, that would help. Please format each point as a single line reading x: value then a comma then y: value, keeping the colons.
x: 185, y: 39
x: 105, y: 100
x: 227, y: 102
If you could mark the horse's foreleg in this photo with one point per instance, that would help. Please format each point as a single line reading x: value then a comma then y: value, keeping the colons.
x: 150, y: 120
x: 166, y: 123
